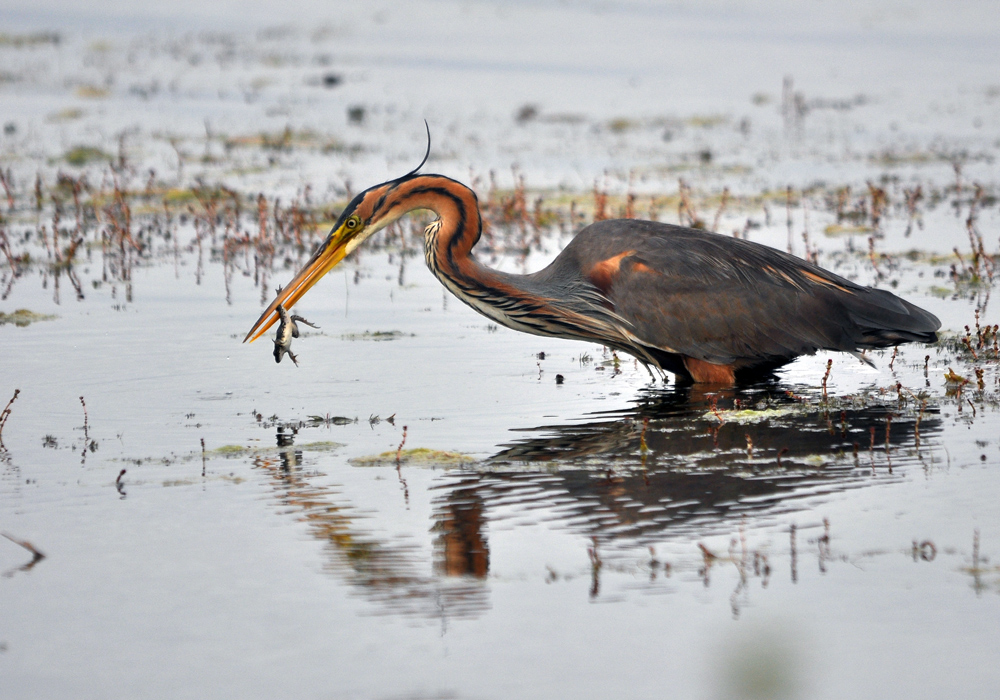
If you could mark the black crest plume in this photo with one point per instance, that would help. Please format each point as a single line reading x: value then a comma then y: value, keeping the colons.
x: 426, y: 155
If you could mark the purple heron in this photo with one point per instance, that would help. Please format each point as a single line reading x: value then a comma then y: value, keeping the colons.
x: 705, y: 307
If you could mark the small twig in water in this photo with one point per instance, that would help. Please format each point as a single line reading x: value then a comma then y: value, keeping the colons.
x: 707, y: 553
x: 916, y: 427
x: 794, y: 553
x: 37, y: 556
x: 824, y: 545
x: 5, y: 414
x: 715, y: 409
x: 595, y: 568
x: 782, y: 451
x: 86, y: 433
x: 829, y: 366
x: 888, y: 424
x: 968, y: 344
x: 399, y: 450
x: 399, y: 469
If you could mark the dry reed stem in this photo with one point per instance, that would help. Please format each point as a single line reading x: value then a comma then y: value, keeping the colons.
x: 600, y: 204
x: 5, y: 414
x: 916, y: 427
x: 8, y: 253
x: 5, y: 180
x: 880, y: 201
x: 399, y: 450
x: 788, y: 215
x: 793, y: 552
x: 629, y: 212
x: 872, y: 256
x: 721, y: 209
x: 685, y: 208
x: 782, y: 451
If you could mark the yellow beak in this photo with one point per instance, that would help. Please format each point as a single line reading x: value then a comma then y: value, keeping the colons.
x: 326, y: 257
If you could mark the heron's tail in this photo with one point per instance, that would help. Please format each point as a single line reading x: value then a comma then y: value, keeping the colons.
x: 884, y: 319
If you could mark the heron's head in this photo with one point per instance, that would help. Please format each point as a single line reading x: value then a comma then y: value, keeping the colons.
x: 367, y: 213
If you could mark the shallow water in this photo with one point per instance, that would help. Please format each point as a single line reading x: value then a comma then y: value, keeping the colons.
x: 419, y: 510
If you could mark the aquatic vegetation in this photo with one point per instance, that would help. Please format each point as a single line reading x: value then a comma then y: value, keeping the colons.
x: 417, y: 456
x: 229, y: 451
x: 24, y: 317
x: 81, y: 155
x: 376, y: 335
x: 19, y: 41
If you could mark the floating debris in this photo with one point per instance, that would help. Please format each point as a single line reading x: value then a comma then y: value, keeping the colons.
x: 952, y: 377
x: 376, y: 335
x: 746, y: 416
x: 418, y: 456
x: 24, y: 317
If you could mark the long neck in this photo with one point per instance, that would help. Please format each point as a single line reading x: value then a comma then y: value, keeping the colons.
x: 521, y: 302
x: 448, y: 243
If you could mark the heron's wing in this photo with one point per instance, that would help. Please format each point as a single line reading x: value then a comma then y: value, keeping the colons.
x: 725, y: 300
x: 724, y: 322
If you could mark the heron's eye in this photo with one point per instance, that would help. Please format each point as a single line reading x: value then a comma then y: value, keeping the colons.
x: 352, y: 223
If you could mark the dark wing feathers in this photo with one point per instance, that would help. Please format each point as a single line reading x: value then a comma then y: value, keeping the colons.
x: 726, y: 300
x: 885, y: 319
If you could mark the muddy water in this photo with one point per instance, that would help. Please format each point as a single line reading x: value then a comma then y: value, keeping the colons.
x: 419, y: 509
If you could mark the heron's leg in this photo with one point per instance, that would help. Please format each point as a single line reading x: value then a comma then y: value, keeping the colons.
x: 652, y: 376
x: 703, y: 372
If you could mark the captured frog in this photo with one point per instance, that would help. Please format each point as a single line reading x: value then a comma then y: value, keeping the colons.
x: 287, y: 330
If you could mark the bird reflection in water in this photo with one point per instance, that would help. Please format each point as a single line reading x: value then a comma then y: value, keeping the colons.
x: 678, y: 464
x: 460, y: 547
x: 386, y: 571
x: 683, y: 461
